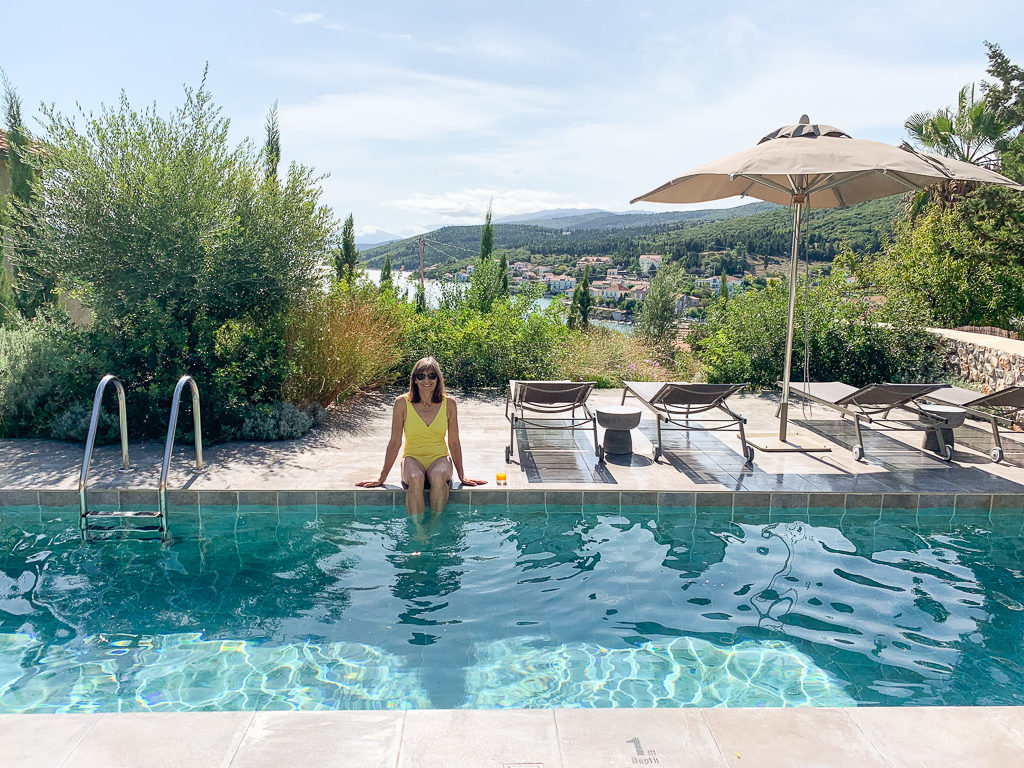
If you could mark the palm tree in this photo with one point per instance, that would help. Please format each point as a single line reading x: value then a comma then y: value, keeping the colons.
x: 969, y: 134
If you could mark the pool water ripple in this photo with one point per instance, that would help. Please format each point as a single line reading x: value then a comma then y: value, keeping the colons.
x: 486, y: 608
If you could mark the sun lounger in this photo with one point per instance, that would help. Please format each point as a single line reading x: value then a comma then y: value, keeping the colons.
x: 985, y: 407
x: 675, y: 403
x: 872, y: 403
x: 545, y: 405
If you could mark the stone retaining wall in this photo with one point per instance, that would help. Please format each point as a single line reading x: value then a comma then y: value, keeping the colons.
x: 987, y: 363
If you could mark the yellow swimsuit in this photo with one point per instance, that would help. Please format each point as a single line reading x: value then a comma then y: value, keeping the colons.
x: 423, y: 442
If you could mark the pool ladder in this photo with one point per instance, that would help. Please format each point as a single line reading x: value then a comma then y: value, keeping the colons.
x: 153, y: 520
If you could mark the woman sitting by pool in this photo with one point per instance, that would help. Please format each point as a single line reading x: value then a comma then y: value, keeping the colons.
x: 424, y: 414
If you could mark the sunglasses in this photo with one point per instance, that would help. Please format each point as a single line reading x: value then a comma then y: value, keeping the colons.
x: 421, y: 376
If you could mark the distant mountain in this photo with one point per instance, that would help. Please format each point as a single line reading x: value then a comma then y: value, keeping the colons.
x: 762, y: 231
x: 557, y: 213
x: 374, y: 239
x: 575, y: 221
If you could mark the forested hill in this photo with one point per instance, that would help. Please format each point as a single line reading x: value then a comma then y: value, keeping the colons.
x: 764, y: 232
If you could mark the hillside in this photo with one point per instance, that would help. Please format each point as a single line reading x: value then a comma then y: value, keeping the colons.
x: 759, y: 233
x: 593, y: 219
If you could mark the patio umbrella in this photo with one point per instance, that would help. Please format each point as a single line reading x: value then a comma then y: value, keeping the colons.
x: 815, y: 166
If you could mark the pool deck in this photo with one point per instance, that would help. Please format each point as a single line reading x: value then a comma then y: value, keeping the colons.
x: 907, y: 737
x: 551, y: 469
x: 350, y: 447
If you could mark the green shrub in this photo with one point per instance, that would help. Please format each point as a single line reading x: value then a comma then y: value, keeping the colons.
x: 272, y: 421
x: 72, y: 424
x: 939, y: 266
x: 47, y: 375
x: 515, y: 340
x: 189, y: 256
x: 744, y: 338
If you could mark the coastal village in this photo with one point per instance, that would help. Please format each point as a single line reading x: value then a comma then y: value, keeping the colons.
x: 617, y: 294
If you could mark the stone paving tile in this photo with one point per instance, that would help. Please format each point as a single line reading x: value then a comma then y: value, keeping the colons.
x: 462, y: 738
x: 940, y: 736
x: 783, y: 738
x: 613, y: 738
x: 573, y: 738
x: 41, y: 741
x: 321, y: 740
x: 1012, y: 717
x: 349, y: 448
x: 161, y: 740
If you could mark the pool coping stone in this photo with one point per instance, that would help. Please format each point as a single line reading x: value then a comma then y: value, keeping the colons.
x: 870, y: 505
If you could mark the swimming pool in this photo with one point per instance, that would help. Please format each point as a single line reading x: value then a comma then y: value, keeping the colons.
x: 332, y: 608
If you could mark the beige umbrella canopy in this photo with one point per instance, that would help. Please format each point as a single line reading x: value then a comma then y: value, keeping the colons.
x: 816, y: 166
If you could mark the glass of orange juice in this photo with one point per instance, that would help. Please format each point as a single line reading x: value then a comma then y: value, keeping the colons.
x: 500, y: 478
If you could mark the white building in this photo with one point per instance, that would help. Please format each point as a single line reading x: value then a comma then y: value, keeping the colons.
x: 604, y: 289
x: 649, y: 260
x: 686, y: 301
x: 561, y: 283
x: 714, y: 284
x: 594, y: 261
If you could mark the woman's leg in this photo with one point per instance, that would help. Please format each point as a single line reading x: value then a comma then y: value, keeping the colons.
x: 439, y: 472
x: 415, y: 476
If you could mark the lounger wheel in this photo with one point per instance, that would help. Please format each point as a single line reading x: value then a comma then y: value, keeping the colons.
x: 657, y: 455
x: 858, y: 453
x: 508, y: 454
x: 600, y: 455
x: 947, y: 453
x: 749, y: 453
x: 996, y: 454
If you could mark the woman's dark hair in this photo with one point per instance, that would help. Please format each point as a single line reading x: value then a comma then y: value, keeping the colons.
x: 426, y: 365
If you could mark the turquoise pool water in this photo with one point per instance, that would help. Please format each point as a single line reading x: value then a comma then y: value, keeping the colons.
x: 326, y: 609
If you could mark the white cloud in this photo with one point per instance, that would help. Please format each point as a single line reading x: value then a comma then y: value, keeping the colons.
x: 468, y: 206
x: 413, y: 106
x: 610, y: 117
x: 301, y: 18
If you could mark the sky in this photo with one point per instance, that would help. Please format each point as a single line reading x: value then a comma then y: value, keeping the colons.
x: 420, y: 114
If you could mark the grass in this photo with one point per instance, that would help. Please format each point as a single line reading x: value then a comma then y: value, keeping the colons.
x: 610, y: 357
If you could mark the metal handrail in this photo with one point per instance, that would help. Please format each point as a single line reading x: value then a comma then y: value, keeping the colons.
x: 197, y: 426
x: 90, y: 441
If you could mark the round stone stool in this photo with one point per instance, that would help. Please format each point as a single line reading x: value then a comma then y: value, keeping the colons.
x: 932, y: 419
x: 617, y: 421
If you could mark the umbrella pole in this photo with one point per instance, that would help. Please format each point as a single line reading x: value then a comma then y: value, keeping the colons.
x: 798, y: 201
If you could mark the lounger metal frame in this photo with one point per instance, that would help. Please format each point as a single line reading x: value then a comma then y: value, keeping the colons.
x: 865, y: 412
x: 994, y: 419
x: 679, y: 414
x: 516, y: 399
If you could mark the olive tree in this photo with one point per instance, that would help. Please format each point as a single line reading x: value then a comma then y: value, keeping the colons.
x: 188, y: 255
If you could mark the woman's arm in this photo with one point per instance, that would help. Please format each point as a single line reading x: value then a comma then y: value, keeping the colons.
x: 394, y: 443
x: 455, y: 446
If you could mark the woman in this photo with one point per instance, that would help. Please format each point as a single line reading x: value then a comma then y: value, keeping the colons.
x: 424, y: 415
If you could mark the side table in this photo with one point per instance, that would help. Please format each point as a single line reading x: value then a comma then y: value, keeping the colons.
x: 617, y: 421
x: 940, y: 420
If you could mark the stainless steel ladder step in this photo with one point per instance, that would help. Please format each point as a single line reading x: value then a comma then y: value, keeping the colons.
x: 88, y: 518
x: 130, y: 513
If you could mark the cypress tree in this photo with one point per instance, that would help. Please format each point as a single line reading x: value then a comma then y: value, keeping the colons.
x: 487, y: 238
x: 346, y: 264
x: 574, y: 308
x: 30, y: 292
x: 387, y: 283
x: 503, y: 277
x: 585, y: 301
x: 272, y: 146
x: 723, y: 287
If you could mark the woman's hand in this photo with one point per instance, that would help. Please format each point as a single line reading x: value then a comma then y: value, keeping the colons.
x: 470, y: 483
x: 370, y: 484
